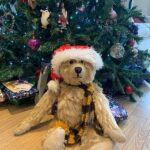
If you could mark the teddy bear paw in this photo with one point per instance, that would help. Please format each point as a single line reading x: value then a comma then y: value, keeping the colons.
x: 116, y: 135
x: 55, y: 140
x: 24, y: 127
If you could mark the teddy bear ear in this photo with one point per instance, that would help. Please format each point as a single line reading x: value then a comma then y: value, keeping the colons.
x: 53, y: 86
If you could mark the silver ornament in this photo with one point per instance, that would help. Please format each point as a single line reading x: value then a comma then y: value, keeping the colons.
x: 117, y: 51
x: 146, y: 64
x: 135, y: 51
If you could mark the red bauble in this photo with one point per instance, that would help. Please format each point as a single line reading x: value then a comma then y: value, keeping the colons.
x: 131, y: 43
x: 33, y: 43
x: 113, y: 14
x: 128, y: 89
x: 24, y: 1
x: 37, y: 72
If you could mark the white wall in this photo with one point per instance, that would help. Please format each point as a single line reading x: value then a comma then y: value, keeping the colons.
x: 143, y: 5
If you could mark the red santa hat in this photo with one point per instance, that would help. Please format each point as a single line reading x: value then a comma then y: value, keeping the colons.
x: 67, y: 52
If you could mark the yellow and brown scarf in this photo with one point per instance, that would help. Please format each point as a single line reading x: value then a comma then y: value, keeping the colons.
x: 73, y: 135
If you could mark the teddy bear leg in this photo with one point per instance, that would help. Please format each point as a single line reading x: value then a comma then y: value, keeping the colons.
x: 74, y: 147
x: 92, y: 141
x: 55, y: 139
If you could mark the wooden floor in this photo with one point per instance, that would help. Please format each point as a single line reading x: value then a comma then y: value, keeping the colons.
x: 136, y: 128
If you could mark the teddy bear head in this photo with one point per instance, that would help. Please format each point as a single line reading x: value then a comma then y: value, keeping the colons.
x: 77, y: 71
x: 76, y: 64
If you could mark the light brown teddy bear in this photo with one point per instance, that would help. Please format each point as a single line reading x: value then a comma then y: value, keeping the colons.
x: 83, y: 115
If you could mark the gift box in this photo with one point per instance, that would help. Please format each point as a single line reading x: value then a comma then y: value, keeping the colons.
x: 118, y: 111
x: 18, y: 91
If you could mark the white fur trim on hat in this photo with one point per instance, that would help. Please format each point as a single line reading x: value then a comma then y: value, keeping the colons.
x: 87, y: 54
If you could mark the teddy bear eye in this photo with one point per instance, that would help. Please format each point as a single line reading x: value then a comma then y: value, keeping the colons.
x: 81, y: 61
x: 71, y: 62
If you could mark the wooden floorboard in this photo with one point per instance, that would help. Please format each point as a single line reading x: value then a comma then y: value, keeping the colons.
x: 136, y: 128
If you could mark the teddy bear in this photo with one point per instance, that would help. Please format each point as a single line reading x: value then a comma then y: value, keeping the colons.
x: 83, y: 119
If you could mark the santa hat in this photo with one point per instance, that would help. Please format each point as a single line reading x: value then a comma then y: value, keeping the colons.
x: 67, y: 52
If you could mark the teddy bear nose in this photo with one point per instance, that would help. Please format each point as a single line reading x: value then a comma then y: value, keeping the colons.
x: 78, y: 70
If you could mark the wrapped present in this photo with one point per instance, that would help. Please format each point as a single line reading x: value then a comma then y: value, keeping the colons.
x: 117, y: 110
x: 19, y: 90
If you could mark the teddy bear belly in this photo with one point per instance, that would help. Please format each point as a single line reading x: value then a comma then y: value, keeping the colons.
x: 69, y: 112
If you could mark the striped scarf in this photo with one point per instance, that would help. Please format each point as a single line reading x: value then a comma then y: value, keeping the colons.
x: 73, y: 135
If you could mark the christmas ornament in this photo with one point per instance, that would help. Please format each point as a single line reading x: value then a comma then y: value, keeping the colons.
x: 131, y: 20
x: 113, y: 14
x: 63, y: 18
x: 133, y: 28
x: 146, y: 63
x: 33, y: 43
x: 24, y: 1
x: 117, y: 51
x: 131, y: 42
x: 135, y: 51
x: 37, y: 72
x: 44, y: 18
x: 2, y: 96
x: 128, y: 89
x: 4, y: 19
x: 32, y: 4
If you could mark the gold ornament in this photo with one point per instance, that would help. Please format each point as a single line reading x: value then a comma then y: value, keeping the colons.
x: 44, y: 18
x: 32, y: 4
x: 117, y: 51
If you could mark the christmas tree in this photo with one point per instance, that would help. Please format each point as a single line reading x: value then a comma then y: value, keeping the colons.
x: 31, y: 29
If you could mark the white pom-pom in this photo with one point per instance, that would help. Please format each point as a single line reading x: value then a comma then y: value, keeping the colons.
x: 53, y: 86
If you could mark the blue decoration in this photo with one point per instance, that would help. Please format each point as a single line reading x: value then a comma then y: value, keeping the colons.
x: 133, y: 28
x: 117, y: 110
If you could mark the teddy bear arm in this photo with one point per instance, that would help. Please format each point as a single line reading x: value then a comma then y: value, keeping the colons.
x: 41, y: 108
x: 105, y: 117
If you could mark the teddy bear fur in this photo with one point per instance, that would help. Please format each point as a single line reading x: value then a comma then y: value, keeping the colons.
x: 69, y: 97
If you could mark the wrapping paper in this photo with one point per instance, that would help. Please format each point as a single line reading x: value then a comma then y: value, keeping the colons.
x: 117, y: 110
x: 20, y: 94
